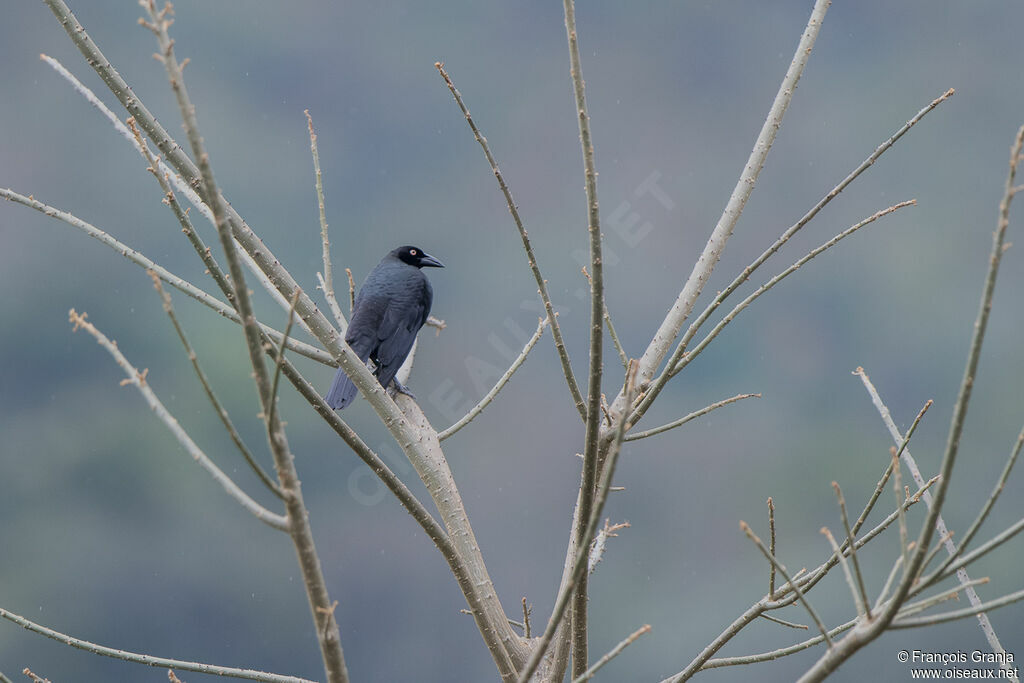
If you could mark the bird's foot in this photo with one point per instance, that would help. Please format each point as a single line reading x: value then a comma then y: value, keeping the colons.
x: 399, y: 388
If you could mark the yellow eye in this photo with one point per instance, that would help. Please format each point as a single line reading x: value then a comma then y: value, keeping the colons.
x: 412, y: 252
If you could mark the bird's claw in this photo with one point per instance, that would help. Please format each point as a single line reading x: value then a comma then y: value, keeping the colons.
x: 400, y: 388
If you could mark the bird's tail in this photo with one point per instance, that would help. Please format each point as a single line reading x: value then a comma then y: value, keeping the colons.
x: 342, y: 391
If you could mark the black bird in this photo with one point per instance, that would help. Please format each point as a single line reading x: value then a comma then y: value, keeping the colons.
x: 389, y: 311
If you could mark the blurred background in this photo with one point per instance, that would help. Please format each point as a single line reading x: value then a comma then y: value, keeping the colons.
x: 109, y: 531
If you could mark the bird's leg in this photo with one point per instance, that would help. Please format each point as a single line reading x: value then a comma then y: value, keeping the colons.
x: 400, y: 388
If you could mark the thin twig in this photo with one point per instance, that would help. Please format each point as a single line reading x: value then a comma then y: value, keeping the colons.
x: 889, y: 581
x: 960, y: 613
x: 162, y: 178
x: 133, y: 106
x: 792, y: 230
x: 255, y: 248
x: 612, y: 654
x: 897, y: 485
x: 149, y: 660
x: 681, y: 358
x: 785, y: 595
x: 692, y: 416
x: 858, y: 601
x: 911, y: 608
x: 712, y: 252
x: 542, y: 286
x: 351, y: 291
x: 782, y: 570
x: 741, y: 622
x: 822, y: 570
x: 776, y: 654
x: 280, y: 358
x: 615, y: 338
x: 327, y: 280
x: 526, y: 619
x: 611, y: 327
x: 783, y: 622
x: 932, y: 523
x: 989, y: 503
x: 853, y: 551
x: 683, y: 362
x: 888, y: 470
x: 771, y: 548
x: 218, y: 407
x: 433, y: 529
x: 478, y: 408
x: 976, y: 554
x: 139, y: 380
x: 298, y: 519
x: 807, y: 217
x: 167, y: 276
x: 579, y: 624
x: 907, y: 458
x: 937, y: 547
x: 518, y: 624
x: 591, y: 466
x: 579, y: 563
x: 264, y: 258
x: 506, y: 648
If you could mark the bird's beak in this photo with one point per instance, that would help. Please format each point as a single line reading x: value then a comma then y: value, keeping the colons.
x: 426, y: 260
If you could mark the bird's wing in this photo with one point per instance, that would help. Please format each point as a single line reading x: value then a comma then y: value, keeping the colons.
x: 402, y: 321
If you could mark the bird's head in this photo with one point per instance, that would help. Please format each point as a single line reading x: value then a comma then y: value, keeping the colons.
x: 415, y: 256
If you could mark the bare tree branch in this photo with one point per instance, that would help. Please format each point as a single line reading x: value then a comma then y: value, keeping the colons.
x: 862, y: 635
x: 771, y: 547
x: 174, y: 178
x: 776, y: 654
x: 989, y: 503
x: 782, y: 570
x: 692, y: 416
x: 138, y: 379
x: 785, y: 595
x: 960, y: 613
x: 908, y: 459
x: 611, y: 327
x: 405, y: 434
x: 218, y: 407
x: 783, y: 622
x: 612, y: 654
x: 679, y: 360
x: 861, y: 590
x: 280, y: 359
x: 681, y: 309
x: 35, y: 679
x: 298, y: 518
x: 807, y: 217
x: 976, y: 554
x: 149, y: 660
x: 542, y: 286
x: 167, y: 276
x: 327, y: 279
x: 911, y: 608
x: 591, y: 466
x: 579, y: 564
x: 502, y: 381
